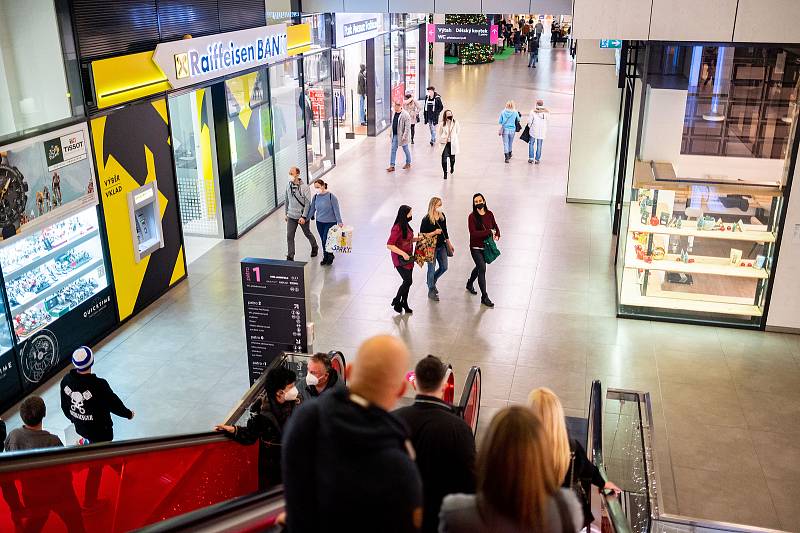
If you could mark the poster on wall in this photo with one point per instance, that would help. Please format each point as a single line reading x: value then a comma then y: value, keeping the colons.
x: 274, y: 311
x: 132, y: 148
x: 43, y: 178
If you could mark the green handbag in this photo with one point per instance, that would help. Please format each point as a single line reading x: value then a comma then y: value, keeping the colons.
x: 490, y: 251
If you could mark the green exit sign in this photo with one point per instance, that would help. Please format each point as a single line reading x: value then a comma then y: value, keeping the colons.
x: 610, y: 43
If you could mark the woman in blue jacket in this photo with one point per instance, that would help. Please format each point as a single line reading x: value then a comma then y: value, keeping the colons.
x: 508, y: 127
x: 325, y: 207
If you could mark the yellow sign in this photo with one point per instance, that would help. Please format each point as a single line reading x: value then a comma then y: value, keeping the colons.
x: 121, y: 79
x: 298, y: 39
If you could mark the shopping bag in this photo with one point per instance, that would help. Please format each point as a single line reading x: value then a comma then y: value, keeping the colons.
x: 425, y: 250
x: 490, y: 251
x: 340, y: 239
x: 525, y: 136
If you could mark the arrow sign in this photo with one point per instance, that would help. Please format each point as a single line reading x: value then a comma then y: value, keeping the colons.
x: 610, y: 43
x: 494, y: 34
x: 431, y: 33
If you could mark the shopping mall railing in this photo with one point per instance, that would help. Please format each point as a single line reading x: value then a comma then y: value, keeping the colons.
x: 470, y: 405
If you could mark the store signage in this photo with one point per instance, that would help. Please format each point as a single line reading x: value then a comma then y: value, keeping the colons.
x: 610, y: 43
x: 357, y: 27
x: 274, y: 311
x: 190, y: 61
x: 463, y: 33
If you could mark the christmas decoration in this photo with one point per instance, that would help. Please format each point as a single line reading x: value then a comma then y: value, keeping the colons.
x: 471, y: 54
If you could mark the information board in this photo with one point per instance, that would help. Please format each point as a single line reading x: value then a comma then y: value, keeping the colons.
x: 274, y: 310
x: 463, y: 33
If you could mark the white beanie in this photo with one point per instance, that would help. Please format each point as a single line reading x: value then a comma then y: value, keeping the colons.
x: 83, y: 358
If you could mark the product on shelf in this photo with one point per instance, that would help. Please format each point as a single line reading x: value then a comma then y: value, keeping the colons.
x: 39, y: 244
x: 60, y: 303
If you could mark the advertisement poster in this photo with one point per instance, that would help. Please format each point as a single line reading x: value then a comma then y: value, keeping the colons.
x: 44, y: 178
x: 317, y: 96
x: 463, y: 33
x: 274, y: 311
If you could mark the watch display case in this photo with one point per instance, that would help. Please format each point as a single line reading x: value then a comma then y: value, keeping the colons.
x: 698, y: 249
x: 51, y: 271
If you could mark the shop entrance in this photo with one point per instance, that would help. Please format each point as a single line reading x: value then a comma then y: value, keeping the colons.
x: 195, y: 159
x: 349, y: 73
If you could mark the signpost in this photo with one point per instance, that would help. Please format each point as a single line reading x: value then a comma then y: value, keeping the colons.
x: 463, y: 33
x: 274, y: 310
x: 610, y: 43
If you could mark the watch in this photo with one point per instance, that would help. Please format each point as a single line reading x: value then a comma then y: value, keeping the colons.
x: 13, y: 196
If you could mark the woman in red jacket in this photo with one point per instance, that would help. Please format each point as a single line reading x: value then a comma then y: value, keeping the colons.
x: 401, y: 244
x: 481, y: 225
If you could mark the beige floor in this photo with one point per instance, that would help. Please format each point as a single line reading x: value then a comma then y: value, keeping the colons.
x: 726, y: 402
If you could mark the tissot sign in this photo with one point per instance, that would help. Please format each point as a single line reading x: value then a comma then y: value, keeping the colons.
x: 191, y: 61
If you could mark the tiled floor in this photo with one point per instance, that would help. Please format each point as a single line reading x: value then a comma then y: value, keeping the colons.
x: 726, y: 402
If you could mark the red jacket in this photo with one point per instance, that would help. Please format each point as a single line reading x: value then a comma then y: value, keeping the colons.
x: 478, y: 235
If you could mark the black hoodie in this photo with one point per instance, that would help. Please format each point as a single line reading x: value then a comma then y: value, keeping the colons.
x: 88, y: 402
x: 349, y: 467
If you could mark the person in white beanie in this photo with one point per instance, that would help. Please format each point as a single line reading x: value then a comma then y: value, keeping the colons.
x: 537, y: 122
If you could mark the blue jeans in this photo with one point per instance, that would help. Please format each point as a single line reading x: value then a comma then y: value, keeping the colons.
x: 323, y: 228
x: 508, y: 140
x: 393, y: 158
x: 435, y: 273
x: 432, y: 127
x: 533, y: 60
x: 535, y: 149
x: 362, y: 107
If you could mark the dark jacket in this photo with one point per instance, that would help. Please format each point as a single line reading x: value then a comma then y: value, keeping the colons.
x: 426, y: 226
x: 341, y: 454
x: 266, y: 425
x: 88, y: 402
x: 362, y: 82
x: 445, y: 450
x: 432, y: 108
x: 30, y: 439
x: 307, y: 392
x: 582, y: 473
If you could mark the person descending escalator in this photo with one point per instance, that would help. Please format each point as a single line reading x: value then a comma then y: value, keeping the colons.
x: 321, y: 378
x: 269, y: 416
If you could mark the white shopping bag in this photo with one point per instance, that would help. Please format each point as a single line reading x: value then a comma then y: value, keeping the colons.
x: 340, y: 240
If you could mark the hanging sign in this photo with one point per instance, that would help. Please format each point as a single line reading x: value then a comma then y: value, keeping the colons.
x: 610, y: 43
x: 463, y: 33
x: 356, y: 27
x: 190, y: 61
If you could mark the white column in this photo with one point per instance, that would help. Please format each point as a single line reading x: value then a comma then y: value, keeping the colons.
x: 438, y: 48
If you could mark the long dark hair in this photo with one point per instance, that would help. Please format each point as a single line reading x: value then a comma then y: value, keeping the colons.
x: 478, y: 217
x: 402, y: 220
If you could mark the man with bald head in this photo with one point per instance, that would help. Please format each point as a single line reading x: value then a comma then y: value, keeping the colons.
x: 347, y: 462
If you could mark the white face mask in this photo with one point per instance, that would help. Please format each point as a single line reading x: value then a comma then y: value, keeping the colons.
x: 312, y: 380
x: 318, y: 191
x: 439, y: 209
x: 291, y: 395
x: 291, y: 178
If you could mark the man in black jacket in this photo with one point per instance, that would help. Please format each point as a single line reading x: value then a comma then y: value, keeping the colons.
x: 444, y: 443
x: 433, y: 108
x: 362, y: 94
x: 344, y: 452
x: 88, y: 401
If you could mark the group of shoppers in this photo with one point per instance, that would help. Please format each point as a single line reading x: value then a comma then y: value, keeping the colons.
x: 406, y: 115
x: 482, y: 226
x: 301, y: 206
x: 509, y: 121
x: 417, y: 468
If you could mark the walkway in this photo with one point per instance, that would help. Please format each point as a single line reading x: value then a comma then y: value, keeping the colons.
x: 726, y: 402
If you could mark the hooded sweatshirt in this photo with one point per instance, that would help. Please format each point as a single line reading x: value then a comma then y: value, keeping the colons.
x: 340, y: 453
x: 88, y: 402
x: 508, y: 119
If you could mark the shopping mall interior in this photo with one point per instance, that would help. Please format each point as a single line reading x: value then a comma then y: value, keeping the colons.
x: 648, y: 254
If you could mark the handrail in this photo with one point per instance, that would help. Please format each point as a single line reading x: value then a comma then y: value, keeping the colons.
x: 616, y: 515
x: 231, y: 515
x: 473, y: 376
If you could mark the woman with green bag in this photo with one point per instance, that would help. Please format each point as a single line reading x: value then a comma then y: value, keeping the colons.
x: 483, y: 232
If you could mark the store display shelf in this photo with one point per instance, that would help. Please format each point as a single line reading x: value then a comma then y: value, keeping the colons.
x: 717, y: 266
x: 54, y: 288
x: 71, y: 243
x: 689, y: 229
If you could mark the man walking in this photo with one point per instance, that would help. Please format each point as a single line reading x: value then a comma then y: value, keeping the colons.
x: 400, y: 135
x: 539, y: 28
x: 533, y: 50
x: 297, y: 202
x: 433, y: 108
x: 345, y: 451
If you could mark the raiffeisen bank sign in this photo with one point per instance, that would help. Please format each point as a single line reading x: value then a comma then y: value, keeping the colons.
x: 190, y: 61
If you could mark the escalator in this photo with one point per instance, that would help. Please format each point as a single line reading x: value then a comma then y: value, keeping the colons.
x: 127, y: 485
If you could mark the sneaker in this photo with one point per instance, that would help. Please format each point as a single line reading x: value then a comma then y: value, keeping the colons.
x: 487, y: 302
x: 432, y: 295
x: 435, y: 289
x: 390, y: 168
x: 433, y: 142
x: 406, y: 166
x: 537, y: 162
x: 530, y: 161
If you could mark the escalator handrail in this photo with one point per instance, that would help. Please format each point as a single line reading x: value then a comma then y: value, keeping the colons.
x: 616, y: 515
x: 267, y: 502
x: 473, y: 374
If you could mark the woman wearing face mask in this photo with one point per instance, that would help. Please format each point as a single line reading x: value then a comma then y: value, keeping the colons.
x: 481, y: 225
x: 401, y: 244
x: 267, y: 420
x: 325, y: 206
x: 448, y: 138
x: 413, y: 108
x: 435, y: 223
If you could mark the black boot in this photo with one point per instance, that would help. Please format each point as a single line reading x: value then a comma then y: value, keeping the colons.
x: 471, y: 287
x: 406, y: 308
x: 486, y: 301
x: 510, y: 153
x: 445, y: 175
x: 506, y: 154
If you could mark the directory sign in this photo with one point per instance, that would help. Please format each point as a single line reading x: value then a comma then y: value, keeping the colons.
x: 610, y: 43
x: 463, y: 33
x: 274, y: 310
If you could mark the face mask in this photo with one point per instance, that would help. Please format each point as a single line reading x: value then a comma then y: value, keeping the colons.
x: 318, y: 191
x: 480, y: 206
x: 448, y: 117
x: 439, y: 209
x: 409, y: 219
x: 291, y: 178
x: 311, y: 380
x: 291, y: 395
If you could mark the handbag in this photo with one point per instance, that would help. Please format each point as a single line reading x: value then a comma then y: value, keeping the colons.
x: 490, y: 250
x: 339, y: 240
x: 425, y: 250
x: 517, y: 125
x: 526, y: 134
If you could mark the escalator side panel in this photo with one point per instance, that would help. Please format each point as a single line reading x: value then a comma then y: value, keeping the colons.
x: 132, y: 491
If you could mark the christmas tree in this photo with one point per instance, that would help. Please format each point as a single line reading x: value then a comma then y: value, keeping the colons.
x: 471, y: 54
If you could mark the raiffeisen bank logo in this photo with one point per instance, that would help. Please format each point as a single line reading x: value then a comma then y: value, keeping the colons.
x: 219, y: 56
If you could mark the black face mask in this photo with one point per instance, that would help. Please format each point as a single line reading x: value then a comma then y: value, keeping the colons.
x: 409, y: 218
x: 480, y: 206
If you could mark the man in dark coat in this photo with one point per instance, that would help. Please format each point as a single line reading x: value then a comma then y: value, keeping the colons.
x: 443, y: 442
x: 431, y: 110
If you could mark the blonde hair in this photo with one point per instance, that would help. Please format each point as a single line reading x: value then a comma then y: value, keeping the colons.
x: 510, y: 104
x: 433, y: 215
x: 515, y: 476
x: 544, y: 403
